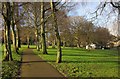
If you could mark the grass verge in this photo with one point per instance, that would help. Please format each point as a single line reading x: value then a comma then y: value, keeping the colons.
x: 11, y: 68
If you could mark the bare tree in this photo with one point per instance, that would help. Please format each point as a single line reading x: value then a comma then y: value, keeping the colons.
x: 43, y: 40
x: 59, y: 51
x: 114, y: 7
x: 6, y: 12
x: 33, y: 13
x: 13, y: 28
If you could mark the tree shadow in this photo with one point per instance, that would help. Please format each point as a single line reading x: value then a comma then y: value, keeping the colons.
x: 84, y: 55
x: 51, y: 54
x: 90, y: 61
x: 79, y: 55
x: 32, y: 48
x: 72, y: 48
x: 28, y: 54
x: 39, y: 61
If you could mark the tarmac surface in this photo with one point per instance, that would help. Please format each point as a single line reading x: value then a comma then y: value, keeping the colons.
x: 33, y: 66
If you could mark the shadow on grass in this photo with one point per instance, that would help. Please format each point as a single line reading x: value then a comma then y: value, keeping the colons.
x: 79, y: 55
x: 89, y: 61
x: 84, y: 55
x: 69, y: 49
x: 40, y: 61
x: 51, y: 54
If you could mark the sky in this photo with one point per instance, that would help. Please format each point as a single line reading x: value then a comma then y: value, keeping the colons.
x: 88, y: 8
x: 81, y: 10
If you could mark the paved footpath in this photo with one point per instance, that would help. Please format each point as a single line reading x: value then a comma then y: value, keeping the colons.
x: 34, y: 66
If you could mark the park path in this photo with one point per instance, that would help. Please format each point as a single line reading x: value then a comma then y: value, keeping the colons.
x: 34, y: 66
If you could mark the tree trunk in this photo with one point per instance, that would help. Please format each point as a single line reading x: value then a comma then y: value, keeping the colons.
x: 18, y: 29
x: 64, y: 44
x: 53, y: 44
x: 6, y: 55
x: 59, y: 51
x: 37, y: 41
x: 43, y: 40
x: 37, y: 34
x: 13, y: 29
x: 9, y: 42
x: 78, y: 46
x: 36, y: 29
x: 18, y: 37
x: 7, y: 19
x: 8, y: 31
x: 47, y: 44
x: 28, y: 41
x: 14, y: 38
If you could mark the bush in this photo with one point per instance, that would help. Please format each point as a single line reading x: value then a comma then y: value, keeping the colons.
x: 10, y: 69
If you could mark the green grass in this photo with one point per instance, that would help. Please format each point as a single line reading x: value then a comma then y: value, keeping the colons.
x: 1, y: 50
x: 0, y: 58
x: 11, y: 68
x: 77, y: 62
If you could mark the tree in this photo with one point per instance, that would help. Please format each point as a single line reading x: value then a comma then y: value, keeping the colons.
x: 6, y: 12
x: 27, y: 35
x: 64, y: 27
x: 17, y: 16
x: 114, y: 6
x: 82, y: 31
x: 36, y: 10
x: 18, y: 28
x: 59, y: 51
x: 52, y: 39
x: 43, y: 40
x: 77, y: 24
x: 17, y: 20
x: 102, y: 36
x: 13, y: 28
x: 33, y: 13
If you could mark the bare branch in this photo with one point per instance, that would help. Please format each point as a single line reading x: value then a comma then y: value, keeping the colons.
x: 114, y: 4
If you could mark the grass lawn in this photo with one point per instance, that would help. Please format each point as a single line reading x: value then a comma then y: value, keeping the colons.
x: 0, y: 59
x: 77, y: 62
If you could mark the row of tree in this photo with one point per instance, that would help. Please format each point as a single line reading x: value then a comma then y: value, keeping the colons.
x: 74, y: 32
x: 30, y: 17
x: 47, y: 22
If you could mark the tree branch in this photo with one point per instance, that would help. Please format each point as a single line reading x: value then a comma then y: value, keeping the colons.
x: 114, y: 5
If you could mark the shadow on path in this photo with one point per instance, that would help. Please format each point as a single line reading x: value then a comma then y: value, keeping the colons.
x: 34, y: 66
